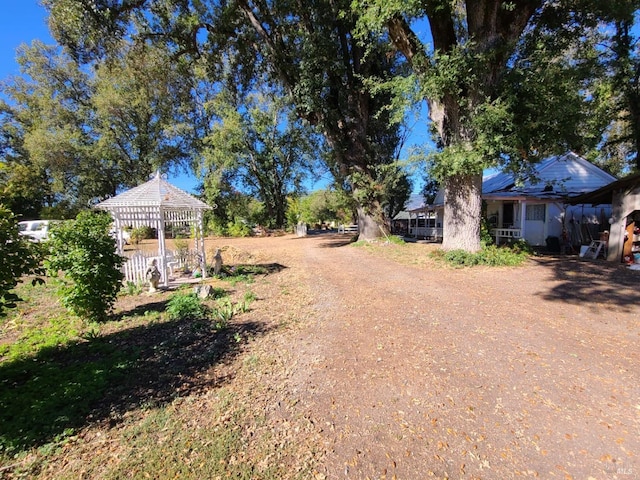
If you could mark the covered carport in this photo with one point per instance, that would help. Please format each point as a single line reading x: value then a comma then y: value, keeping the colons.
x: 624, y: 197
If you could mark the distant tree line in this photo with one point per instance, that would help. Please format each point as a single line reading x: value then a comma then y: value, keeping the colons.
x: 255, y: 96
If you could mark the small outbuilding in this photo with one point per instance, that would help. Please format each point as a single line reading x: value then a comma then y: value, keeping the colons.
x: 624, y: 230
x: 158, y: 204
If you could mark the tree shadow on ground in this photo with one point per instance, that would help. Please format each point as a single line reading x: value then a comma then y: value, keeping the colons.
x: 336, y: 240
x: 255, y: 268
x: 46, y: 397
x: 586, y: 282
x: 142, y: 309
x: 333, y: 239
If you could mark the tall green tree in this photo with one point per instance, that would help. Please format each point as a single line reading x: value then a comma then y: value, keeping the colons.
x: 621, y: 146
x: 144, y: 113
x: 309, y: 49
x: 259, y: 143
x: 500, y: 87
x: 84, y: 132
x: 50, y: 105
x: 24, y: 187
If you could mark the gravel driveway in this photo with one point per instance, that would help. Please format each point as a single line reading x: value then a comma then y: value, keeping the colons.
x: 490, y: 373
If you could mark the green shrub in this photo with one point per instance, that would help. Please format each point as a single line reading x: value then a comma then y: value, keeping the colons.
x: 485, y: 233
x: 86, y: 254
x: 182, y: 249
x: 132, y: 288
x: 396, y: 240
x: 223, y: 313
x: 216, y: 227
x: 238, y: 229
x: 491, y: 255
x: 140, y: 233
x: 186, y: 307
x: 19, y: 257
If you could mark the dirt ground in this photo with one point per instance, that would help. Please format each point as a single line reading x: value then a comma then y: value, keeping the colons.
x: 413, y: 370
x: 377, y: 362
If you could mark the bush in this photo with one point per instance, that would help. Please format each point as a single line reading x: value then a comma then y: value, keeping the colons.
x: 19, y: 257
x: 186, y: 307
x: 238, y: 229
x: 86, y: 254
x: 182, y: 249
x: 141, y: 233
x: 492, y: 255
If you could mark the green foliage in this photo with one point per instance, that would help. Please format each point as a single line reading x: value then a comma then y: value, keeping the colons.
x: 395, y: 240
x: 317, y: 64
x: 261, y: 146
x: 249, y: 296
x: 216, y: 226
x: 132, y: 288
x: 52, y: 393
x: 76, y: 133
x: 243, y: 273
x: 140, y: 233
x: 485, y: 232
x: 238, y: 229
x: 182, y: 248
x: 223, y: 313
x: 86, y: 254
x: 19, y: 257
x: 325, y: 206
x: 187, y: 307
x: 57, y: 331
x: 490, y: 255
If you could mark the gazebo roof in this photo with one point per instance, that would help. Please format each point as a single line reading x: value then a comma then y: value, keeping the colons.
x: 157, y: 192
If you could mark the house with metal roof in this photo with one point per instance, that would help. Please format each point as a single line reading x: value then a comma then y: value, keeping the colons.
x: 535, y: 208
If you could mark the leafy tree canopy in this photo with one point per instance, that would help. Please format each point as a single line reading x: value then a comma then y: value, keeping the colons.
x: 309, y: 49
x: 80, y: 133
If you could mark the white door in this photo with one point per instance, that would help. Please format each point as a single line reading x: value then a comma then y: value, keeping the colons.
x: 535, y: 218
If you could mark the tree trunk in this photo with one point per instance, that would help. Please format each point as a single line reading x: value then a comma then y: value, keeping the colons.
x: 462, y: 209
x: 368, y: 227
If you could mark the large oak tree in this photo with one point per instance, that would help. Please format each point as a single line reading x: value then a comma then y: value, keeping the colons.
x: 308, y: 48
x: 506, y: 82
x: 78, y: 133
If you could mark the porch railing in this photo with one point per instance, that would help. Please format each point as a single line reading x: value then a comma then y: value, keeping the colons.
x: 506, y: 233
x: 426, y: 232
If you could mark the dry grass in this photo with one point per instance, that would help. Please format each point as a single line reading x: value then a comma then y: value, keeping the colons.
x: 232, y: 416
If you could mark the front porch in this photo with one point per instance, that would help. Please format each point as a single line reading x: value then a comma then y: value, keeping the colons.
x: 506, y: 234
x: 425, y: 223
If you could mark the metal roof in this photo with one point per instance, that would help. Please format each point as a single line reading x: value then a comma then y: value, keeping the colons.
x: 604, y: 195
x: 157, y: 192
x: 556, y: 177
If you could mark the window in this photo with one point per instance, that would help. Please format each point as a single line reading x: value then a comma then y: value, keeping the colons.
x: 536, y: 212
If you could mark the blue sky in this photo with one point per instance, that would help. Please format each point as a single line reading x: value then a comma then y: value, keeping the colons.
x: 22, y: 21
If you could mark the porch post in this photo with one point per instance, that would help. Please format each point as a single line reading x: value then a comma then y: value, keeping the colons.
x: 523, y: 216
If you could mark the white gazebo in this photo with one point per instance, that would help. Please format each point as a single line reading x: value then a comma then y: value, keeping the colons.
x: 157, y: 204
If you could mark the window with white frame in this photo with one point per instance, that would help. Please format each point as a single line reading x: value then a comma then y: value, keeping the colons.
x: 536, y: 212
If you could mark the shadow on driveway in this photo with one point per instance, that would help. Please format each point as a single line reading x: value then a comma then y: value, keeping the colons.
x: 592, y: 282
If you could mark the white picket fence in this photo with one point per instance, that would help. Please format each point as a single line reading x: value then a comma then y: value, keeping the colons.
x: 135, y: 268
